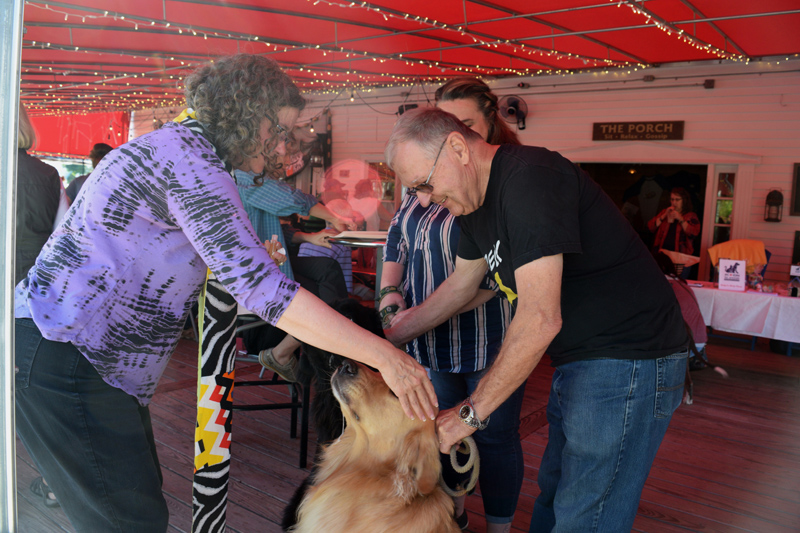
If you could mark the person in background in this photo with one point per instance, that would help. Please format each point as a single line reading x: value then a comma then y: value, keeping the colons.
x: 99, y: 151
x: 420, y: 254
x: 38, y: 193
x: 474, y: 103
x: 100, y: 313
x: 265, y: 200
x: 585, y: 289
x: 676, y: 226
x: 38, y: 190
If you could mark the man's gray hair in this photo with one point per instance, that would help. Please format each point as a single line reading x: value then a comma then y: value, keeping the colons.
x: 427, y: 127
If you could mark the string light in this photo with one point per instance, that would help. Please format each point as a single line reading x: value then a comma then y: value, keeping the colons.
x: 153, y: 87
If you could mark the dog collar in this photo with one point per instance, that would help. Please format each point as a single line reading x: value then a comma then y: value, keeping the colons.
x: 466, y: 412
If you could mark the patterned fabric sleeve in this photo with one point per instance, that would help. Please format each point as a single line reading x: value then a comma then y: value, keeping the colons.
x: 227, y: 242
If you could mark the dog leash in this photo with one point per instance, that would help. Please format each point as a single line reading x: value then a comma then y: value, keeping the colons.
x: 467, y: 447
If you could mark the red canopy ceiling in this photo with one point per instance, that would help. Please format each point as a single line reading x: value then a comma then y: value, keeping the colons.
x: 64, y: 135
x: 83, y: 56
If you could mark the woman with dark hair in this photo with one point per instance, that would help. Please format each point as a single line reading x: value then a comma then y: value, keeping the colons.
x: 474, y: 103
x: 102, y: 309
x: 420, y: 254
x: 676, y: 226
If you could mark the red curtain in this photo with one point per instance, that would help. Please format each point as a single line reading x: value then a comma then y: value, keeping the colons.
x: 74, y: 135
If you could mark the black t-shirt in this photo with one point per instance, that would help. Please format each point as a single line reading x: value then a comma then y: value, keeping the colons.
x: 615, y: 302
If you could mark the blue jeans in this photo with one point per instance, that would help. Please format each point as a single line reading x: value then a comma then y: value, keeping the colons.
x: 93, y: 443
x: 501, y: 467
x: 607, y: 419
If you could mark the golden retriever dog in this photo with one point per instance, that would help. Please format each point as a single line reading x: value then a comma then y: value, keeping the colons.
x: 382, y: 474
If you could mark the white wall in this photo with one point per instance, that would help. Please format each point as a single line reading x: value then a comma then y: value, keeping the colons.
x: 751, y: 118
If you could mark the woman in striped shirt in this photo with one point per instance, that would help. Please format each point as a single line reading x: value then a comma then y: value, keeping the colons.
x: 420, y: 254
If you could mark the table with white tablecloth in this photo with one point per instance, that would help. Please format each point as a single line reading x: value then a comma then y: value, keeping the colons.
x: 754, y: 313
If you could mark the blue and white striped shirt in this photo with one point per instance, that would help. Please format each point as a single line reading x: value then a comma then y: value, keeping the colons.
x: 425, y: 241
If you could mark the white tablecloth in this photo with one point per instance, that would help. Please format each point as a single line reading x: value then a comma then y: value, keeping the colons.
x: 750, y: 313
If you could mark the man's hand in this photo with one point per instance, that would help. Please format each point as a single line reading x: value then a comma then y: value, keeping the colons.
x: 451, y: 429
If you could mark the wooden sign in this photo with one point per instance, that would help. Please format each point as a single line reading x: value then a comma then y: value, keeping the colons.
x: 638, y: 131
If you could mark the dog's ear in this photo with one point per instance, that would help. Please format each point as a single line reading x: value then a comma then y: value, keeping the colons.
x: 418, y: 466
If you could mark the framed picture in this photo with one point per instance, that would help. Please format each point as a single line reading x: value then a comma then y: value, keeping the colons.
x: 794, y: 207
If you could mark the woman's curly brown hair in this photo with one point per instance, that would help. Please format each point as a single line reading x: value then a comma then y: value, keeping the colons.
x: 233, y: 95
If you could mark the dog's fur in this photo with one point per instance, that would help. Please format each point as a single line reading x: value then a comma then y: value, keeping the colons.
x: 317, y: 366
x: 382, y: 474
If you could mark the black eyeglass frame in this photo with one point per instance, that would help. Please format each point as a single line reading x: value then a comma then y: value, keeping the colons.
x: 425, y: 187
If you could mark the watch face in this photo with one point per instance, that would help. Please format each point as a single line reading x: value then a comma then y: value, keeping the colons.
x: 464, y: 412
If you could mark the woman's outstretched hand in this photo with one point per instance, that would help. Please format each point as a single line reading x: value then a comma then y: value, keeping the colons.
x: 410, y: 383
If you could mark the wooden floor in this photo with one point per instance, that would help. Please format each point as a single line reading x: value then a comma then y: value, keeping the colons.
x: 729, y: 462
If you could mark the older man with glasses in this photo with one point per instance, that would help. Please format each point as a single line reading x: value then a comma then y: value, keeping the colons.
x: 585, y: 290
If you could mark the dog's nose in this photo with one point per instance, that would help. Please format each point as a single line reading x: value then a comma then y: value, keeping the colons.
x: 348, y: 368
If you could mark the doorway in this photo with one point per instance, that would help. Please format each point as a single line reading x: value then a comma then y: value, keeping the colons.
x: 641, y: 190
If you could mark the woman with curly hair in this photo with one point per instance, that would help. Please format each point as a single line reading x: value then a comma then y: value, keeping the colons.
x: 102, y: 309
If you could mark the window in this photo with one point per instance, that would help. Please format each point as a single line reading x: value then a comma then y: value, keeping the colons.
x: 723, y: 212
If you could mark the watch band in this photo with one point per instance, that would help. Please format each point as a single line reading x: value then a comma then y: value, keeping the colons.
x: 467, y: 415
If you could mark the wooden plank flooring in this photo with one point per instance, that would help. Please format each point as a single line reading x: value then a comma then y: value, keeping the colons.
x: 729, y: 463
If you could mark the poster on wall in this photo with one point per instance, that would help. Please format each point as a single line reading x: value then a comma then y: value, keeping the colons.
x: 732, y: 276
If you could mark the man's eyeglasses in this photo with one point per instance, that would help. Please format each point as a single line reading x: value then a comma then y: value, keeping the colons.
x: 427, y: 188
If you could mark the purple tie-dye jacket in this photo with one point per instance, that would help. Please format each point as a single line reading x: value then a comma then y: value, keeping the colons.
x: 119, y: 275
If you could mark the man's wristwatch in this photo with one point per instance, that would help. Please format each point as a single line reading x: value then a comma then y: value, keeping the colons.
x: 467, y: 415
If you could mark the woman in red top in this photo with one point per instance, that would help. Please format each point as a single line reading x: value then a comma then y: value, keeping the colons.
x: 676, y: 226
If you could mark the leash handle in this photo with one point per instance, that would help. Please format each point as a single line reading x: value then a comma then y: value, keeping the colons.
x: 468, y: 447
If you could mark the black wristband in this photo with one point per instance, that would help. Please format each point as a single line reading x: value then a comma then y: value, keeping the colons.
x: 388, y: 290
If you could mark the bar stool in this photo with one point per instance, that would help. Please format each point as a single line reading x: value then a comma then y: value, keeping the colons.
x: 299, y: 394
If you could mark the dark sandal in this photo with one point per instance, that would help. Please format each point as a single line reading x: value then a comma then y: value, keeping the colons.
x: 42, y: 490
